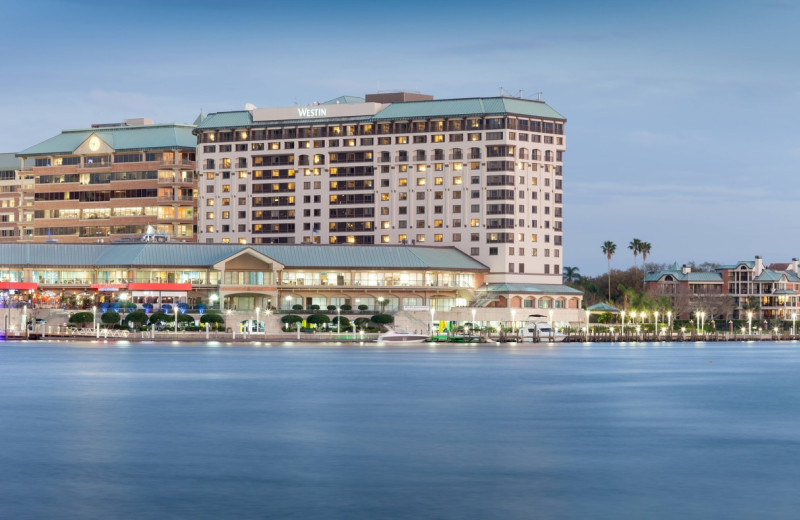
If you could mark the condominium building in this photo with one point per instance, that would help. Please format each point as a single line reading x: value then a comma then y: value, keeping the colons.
x: 112, y: 182
x: 483, y: 175
x: 746, y: 288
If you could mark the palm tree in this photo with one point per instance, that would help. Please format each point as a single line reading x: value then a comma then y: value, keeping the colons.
x: 609, y: 248
x: 571, y: 274
x: 636, y: 247
x: 644, y: 248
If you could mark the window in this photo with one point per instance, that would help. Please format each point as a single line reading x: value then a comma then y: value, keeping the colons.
x: 421, y: 182
x: 438, y: 237
x: 475, y: 251
x: 493, y: 251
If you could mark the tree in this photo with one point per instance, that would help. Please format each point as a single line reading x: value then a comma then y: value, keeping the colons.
x: 110, y: 317
x: 644, y: 248
x: 609, y: 248
x: 636, y: 247
x: 291, y: 319
x: 213, y: 318
x: 382, y: 319
x: 137, y: 318
x: 318, y: 319
x: 363, y: 307
x: 82, y: 318
x: 571, y: 274
x: 158, y: 318
x: 346, y: 307
x: 343, y: 322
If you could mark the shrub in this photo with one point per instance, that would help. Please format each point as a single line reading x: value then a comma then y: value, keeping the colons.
x: 159, y: 317
x: 292, y: 319
x: 314, y: 308
x: 318, y: 319
x: 331, y: 307
x: 363, y: 307
x: 382, y: 319
x: 297, y: 307
x: 213, y: 318
x: 346, y: 307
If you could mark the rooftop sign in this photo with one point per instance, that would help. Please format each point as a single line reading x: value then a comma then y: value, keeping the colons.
x: 317, y: 111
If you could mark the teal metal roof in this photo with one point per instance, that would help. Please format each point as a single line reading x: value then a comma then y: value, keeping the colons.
x: 768, y: 276
x: 529, y: 288
x: 467, y: 107
x: 341, y: 100
x: 747, y: 263
x: 120, y: 138
x: 681, y: 277
x: 239, y: 119
x: 206, y: 255
x: 602, y: 307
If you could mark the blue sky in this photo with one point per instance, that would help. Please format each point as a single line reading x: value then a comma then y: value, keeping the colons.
x: 683, y: 117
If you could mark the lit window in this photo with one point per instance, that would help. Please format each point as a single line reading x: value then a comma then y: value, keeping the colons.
x: 438, y: 181
x: 476, y: 222
x: 457, y: 181
x: 420, y: 167
x: 209, y: 229
x: 385, y: 239
x: 385, y: 196
x: 533, y: 239
x: 438, y: 237
x: 421, y: 182
x: 420, y: 238
x: 437, y: 223
x: 402, y: 182
x: 385, y: 224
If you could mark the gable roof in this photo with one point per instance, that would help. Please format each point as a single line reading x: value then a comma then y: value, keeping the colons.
x: 120, y: 138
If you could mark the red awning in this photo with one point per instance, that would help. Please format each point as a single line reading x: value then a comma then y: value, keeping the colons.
x: 107, y: 286
x: 19, y: 286
x: 159, y: 287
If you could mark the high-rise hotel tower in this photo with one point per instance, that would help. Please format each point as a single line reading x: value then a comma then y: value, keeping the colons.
x: 483, y: 175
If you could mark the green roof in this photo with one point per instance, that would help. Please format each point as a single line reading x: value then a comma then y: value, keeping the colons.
x: 238, y: 119
x: 8, y: 162
x: 602, y: 307
x: 341, y: 100
x: 467, y: 107
x: 120, y: 138
x: 401, y: 111
x: 206, y: 255
x: 508, y: 288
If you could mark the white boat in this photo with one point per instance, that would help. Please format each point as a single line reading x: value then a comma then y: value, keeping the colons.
x: 402, y: 336
x: 538, y: 330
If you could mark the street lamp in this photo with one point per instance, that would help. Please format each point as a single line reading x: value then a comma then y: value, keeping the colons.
x: 623, y: 322
x: 655, y: 314
x: 669, y: 320
x: 94, y: 316
x: 433, y: 311
x: 587, y: 324
x: 176, y: 317
x: 258, y: 323
x: 703, y: 322
x: 338, y: 320
x: 473, y: 318
x: 749, y: 323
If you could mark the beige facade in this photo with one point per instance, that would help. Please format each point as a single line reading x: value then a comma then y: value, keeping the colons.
x: 381, y: 171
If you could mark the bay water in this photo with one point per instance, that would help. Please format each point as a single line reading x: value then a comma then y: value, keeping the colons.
x: 213, y: 431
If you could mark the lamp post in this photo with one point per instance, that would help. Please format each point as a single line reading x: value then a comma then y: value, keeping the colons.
x: 176, y: 317
x: 794, y: 317
x: 473, y: 318
x: 655, y: 314
x: 587, y: 324
x: 749, y: 323
x: 338, y: 320
x: 94, y: 317
x: 623, y: 322
x: 25, y: 319
x: 267, y: 314
x: 703, y: 322
x: 258, y: 322
x: 433, y: 311
x: 513, y: 321
x: 669, y: 321
x: 550, y: 314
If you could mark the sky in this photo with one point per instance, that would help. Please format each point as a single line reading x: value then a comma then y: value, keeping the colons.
x: 683, y: 117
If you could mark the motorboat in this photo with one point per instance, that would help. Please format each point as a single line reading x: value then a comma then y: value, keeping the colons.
x: 402, y: 336
x: 540, y: 330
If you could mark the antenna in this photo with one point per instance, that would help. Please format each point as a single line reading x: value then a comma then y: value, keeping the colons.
x: 501, y: 91
x: 538, y: 96
x: 519, y: 94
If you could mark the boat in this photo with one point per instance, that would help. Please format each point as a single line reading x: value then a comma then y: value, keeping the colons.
x: 402, y: 336
x: 540, y: 330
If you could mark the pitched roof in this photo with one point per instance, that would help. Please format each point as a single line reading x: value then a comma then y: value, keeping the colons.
x: 238, y: 119
x: 602, y: 307
x: 120, y: 138
x: 467, y: 107
x: 520, y: 288
x: 343, y: 100
x: 680, y: 276
x: 206, y: 255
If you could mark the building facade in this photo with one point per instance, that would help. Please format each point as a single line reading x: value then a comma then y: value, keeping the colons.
x: 13, y: 203
x: 741, y: 290
x: 483, y: 175
x: 110, y: 182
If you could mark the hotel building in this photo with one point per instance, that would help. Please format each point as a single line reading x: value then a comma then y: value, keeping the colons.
x: 483, y: 175
x: 110, y: 182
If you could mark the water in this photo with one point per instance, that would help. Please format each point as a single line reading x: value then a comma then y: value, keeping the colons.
x: 118, y: 431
